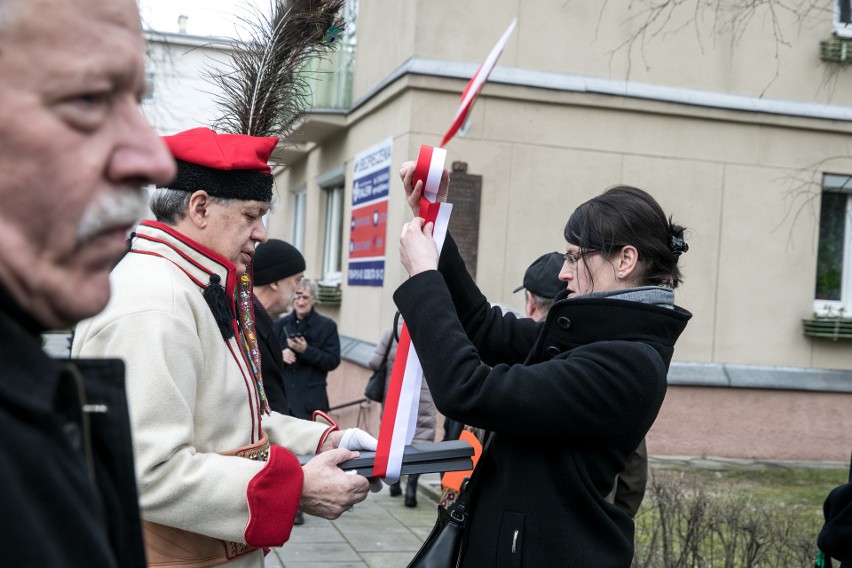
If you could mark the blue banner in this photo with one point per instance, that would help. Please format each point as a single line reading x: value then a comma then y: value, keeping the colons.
x: 366, y: 272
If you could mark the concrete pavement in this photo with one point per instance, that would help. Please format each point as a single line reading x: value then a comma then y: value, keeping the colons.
x: 379, y: 533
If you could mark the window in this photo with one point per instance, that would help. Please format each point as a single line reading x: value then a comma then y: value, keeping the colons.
x: 834, y: 253
x: 297, y: 238
x: 148, y: 94
x: 843, y: 18
x: 332, y: 245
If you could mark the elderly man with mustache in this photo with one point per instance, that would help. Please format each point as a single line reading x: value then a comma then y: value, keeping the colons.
x: 218, y: 481
x: 76, y: 152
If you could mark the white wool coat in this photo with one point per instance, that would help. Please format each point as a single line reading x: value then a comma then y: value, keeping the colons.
x: 192, y: 395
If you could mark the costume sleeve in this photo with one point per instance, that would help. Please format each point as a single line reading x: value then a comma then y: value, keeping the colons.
x: 325, y: 353
x: 297, y: 435
x: 604, y: 393
x: 183, y: 481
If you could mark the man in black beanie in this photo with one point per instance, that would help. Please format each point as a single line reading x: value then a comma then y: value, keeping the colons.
x: 278, y: 268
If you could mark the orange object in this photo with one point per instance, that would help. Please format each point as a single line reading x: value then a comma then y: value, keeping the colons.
x: 454, y: 479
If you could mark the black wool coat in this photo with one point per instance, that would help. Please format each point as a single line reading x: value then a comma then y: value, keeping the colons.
x: 835, y: 538
x: 271, y: 362
x: 568, y: 400
x: 66, y: 462
x: 305, y: 380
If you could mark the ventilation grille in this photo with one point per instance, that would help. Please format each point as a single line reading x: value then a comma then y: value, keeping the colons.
x: 836, y: 50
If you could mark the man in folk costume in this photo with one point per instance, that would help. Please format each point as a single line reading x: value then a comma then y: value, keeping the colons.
x: 218, y: 479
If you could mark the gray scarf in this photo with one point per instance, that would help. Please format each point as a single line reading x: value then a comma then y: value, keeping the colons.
x: 653, y: 295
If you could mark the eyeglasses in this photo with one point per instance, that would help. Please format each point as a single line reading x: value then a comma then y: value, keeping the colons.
x: 571, y: 258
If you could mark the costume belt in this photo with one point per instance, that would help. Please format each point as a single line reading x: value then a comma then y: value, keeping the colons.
x: 177, y: 548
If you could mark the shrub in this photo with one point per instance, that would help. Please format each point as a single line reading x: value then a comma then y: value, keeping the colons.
x: 683, y: 525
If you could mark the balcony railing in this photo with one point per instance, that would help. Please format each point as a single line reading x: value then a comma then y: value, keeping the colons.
x: 330, y: 79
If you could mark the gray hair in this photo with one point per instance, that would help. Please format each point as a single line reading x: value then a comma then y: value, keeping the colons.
x: 310, y: 285
x: 543, y: 304
x: 171, y: 205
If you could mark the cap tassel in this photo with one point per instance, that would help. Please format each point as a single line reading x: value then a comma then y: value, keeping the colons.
x: 217, y: 299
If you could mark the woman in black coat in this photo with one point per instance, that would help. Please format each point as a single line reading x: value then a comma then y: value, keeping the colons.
x: 568, y: 399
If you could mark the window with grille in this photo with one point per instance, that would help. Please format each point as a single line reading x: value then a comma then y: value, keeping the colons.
x: 834, y: 253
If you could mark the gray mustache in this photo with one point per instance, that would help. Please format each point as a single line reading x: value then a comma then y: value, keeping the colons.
x: 113, y: 211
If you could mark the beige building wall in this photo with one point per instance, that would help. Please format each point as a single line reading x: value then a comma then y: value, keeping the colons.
x: 720, y: 125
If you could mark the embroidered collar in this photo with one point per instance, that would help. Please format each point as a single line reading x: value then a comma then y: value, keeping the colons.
x: 196, y: 260
x: 202, y: 265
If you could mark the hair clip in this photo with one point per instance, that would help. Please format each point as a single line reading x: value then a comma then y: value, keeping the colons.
x: 678, y: 245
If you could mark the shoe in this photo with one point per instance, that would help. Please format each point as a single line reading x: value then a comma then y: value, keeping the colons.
x: 411, y: 491
x: 300, y: 519
x: 395, y: 490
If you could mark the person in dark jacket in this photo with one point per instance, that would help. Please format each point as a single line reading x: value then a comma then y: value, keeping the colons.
x: 541, y: 285
x: 835, y: 537
x: 278, y: 268
x: 311, y: 349
x: 567, y: 399
x: 76, y: 152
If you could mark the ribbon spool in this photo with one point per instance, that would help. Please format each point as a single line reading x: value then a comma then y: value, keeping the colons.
x: 430, y: 166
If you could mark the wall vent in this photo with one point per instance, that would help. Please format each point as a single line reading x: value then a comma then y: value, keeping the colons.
x: 836, y: 50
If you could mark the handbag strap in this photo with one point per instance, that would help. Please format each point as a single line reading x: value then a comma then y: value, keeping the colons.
x: 387, y: 349
x: 461, y: 508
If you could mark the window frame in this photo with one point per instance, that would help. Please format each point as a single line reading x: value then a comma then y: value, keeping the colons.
x: 332, y: 248
x: 839, y: 183
x: 843, y: 18
x: 299, y: 201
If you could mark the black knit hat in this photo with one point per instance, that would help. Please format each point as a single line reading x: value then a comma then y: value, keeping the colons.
x: 542, y: 277
x: 275, y: 260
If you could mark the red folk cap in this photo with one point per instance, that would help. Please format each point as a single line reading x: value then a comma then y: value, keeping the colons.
x: 203, y: 147
x: 231, y: 166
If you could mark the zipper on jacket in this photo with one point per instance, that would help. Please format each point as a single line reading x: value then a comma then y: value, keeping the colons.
x: 514, y: 540
x: 84, y: 418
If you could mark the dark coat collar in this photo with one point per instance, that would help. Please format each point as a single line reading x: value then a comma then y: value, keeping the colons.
x: 30, y: 377
x: 577, y: 321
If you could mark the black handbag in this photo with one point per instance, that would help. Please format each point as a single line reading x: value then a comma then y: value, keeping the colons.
x: 443, y: 547
x: 375, y: 389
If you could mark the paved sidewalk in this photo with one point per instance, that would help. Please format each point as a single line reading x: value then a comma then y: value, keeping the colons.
x: 379, y: 533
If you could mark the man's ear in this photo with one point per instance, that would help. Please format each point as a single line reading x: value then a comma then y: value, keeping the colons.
x: 529, y: 305
x: 198, y: 210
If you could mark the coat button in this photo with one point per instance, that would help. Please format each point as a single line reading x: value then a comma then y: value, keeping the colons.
x: 553, y: 351
x: 564, y: 322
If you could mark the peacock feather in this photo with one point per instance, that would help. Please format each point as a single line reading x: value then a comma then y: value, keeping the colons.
x: 261, y: 90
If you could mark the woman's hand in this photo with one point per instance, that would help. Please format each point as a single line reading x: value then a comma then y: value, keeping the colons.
x: 413, y: 192
x: 417, y: 250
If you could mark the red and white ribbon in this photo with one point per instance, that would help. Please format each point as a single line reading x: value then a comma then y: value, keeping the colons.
x: 475, y: 84
x: 400, y: 411
x: 399, y: 417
